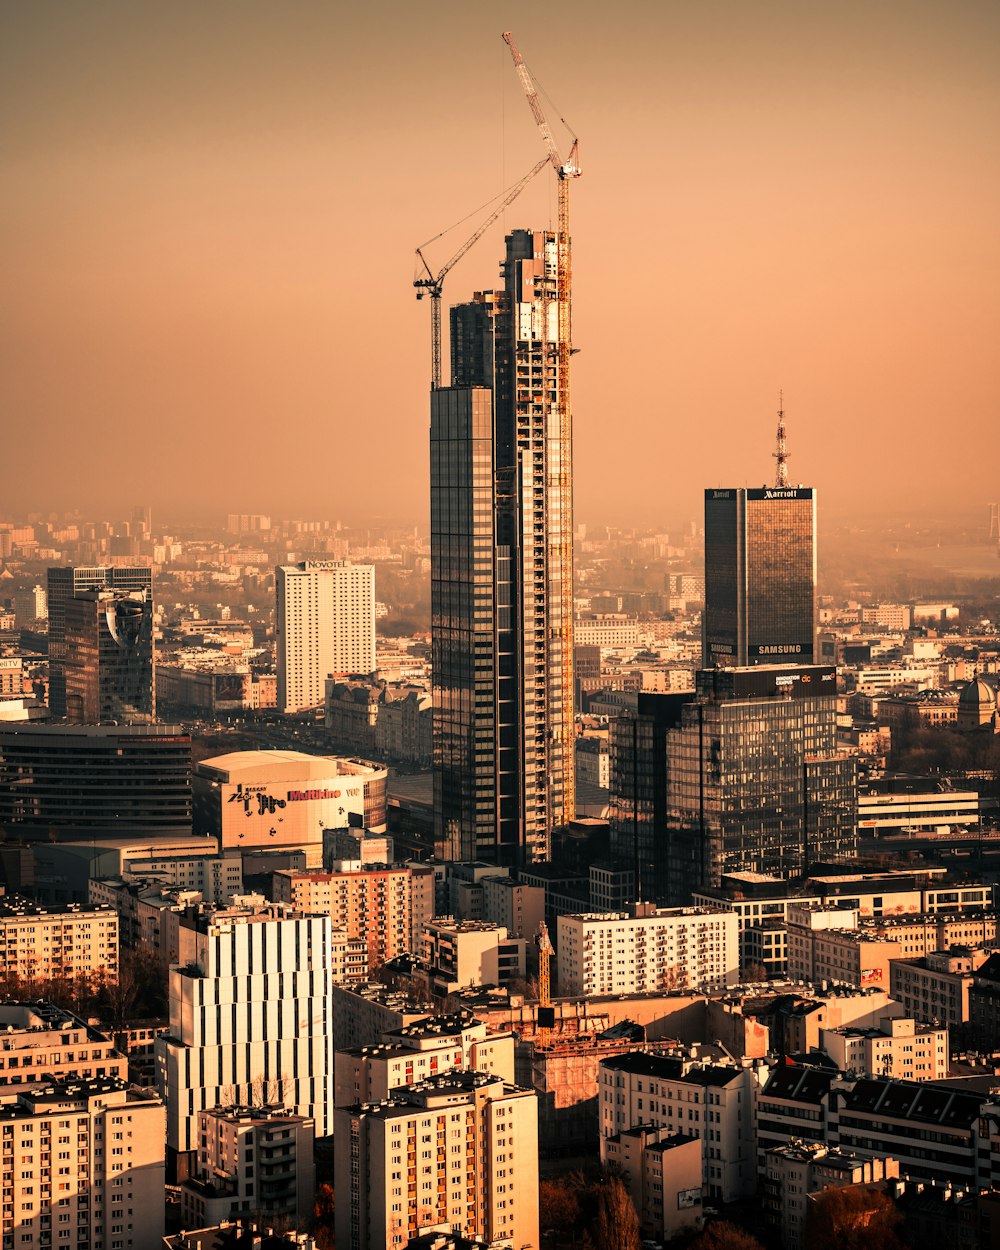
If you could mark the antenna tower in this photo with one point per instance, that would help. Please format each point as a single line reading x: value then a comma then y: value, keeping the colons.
x: 780, y: 453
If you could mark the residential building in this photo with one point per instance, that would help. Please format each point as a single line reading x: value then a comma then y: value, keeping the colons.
x: 64, y: 584
x: 249, y: 1020
x: 795, y: 1104
x: 760, y: 576
x: 454, y: 953
x: 897, y: 1047
x: 416, y: 1051
x: 458, y: 1150
x: 793, y: 1172
x: 371, y: 904
x: 502, y: 564
x: 68, y: 943
x: 713, y: 1102
x: 107, y: 1188
x: 593, y: 761
x: 95, y: 779
x: 610, y: 630
x: 324, y: 625
x: 40, y: 1042
x: 648, y: 950
x: 363, y: 1013
x: 937, y: 986
x: 518, y: 907
x: 662, y: 1170
x: 251, y: 1161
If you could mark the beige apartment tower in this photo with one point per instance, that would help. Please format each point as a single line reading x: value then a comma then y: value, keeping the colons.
x: 325, y: 626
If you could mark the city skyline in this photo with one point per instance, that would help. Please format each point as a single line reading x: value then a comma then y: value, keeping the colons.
x: 819, y: 192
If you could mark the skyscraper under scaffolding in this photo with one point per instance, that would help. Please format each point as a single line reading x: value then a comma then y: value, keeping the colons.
x: 502, y: 564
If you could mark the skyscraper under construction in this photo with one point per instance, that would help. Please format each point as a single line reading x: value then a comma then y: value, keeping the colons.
x: 502, y: 564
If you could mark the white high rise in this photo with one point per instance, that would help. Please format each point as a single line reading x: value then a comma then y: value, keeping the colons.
x: 325, y: 626
x: 250, y: 1019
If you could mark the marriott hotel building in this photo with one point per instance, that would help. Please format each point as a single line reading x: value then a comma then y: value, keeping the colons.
x: 760, y: 577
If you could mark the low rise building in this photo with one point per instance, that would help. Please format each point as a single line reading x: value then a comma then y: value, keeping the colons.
x: 40, y: 944
x: 40, y: 1042
x: 457, y: 1151
x: 251, y: 1160
x: 898, y: 1047
x: 647, y: 950
x: 793, y: 1172
x: 455, y: 953
x: 107, y: 1186
x: 713, y: 1102
x: 662, y: 1170
x: 937, y: 987
x: 363, y: 1013
x: 416, y: 1051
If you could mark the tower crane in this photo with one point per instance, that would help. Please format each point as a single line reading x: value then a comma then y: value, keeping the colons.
x: 566, y: 170
x: 433, y: 283
x: 545, y: 1014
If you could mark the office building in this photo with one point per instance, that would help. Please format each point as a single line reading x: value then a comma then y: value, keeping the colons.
x: 370, y: 904
x: 63, y: 585
x: 755, y: 780
x: 70, y: 943
x: 502, y: 566
x: 760, y: 576
x: 30, y: 606
x: 650, y: 950
x: 324, y: 625
x: 89, y: 1164
x: 108, y: 668
x: 251, y: 1161
x: 458, y: 1150
x: 91, y: 779
x: 249, y: 1020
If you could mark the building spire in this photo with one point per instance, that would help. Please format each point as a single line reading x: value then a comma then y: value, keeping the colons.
x: 779, y: 453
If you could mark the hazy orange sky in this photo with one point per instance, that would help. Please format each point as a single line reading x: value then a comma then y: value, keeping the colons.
x: 210, y: 211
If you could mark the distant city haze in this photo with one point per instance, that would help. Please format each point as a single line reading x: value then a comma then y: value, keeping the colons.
x: 210, y: 212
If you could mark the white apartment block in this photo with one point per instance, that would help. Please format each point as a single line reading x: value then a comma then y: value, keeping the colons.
x: 371, y: 904
x: 55, y: 943
x: 251, y: 1162
x: 250, y: 1020
x: 217, y: 878
x: 712, y: 1102
x: 899, y: 1047
x: 610, y: 629
x: 648, y: 950
x: 416, y: 1051
x: 457, y: 1151
x: 324, y: 624
x: 518, y: 907
x: 39, y: 1042
x: 457, y: 953
x: 82, y: 1166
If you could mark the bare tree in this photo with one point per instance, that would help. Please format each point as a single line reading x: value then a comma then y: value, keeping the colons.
x: 259, y: 1091
x: 617, y: 1222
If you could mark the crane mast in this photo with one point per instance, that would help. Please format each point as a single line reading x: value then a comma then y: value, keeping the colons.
x: 544, y: 984
x: 566, y: 170
x: 433, y: 283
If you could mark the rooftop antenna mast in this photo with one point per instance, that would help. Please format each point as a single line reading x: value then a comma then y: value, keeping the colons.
x: 780, y: 452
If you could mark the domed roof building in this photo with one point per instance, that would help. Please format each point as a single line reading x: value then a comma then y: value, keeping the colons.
x: 979, y: 707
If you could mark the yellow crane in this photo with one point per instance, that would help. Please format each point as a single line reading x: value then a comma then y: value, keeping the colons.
x: 433, y: 283
x: 546, y: 1016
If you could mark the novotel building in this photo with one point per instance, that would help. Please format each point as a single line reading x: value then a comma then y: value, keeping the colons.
x: 286, y: 799
x: 760, y: 577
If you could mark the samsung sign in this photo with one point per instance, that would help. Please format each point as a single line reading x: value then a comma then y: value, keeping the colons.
x: 780, y: 649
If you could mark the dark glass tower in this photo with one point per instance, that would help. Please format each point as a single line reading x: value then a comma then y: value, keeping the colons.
x: 63, y: 584
x: 501, y: 568
x: 760, y: 576
x: 108, y: 667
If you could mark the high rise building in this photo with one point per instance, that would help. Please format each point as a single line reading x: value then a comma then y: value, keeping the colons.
x: 760, y: 576
x: 325, y: 626
x: 63, y: 585
x: 250, y: 1020
x: 755, y: 780
x: 108, y: 668
x: 502, y: 566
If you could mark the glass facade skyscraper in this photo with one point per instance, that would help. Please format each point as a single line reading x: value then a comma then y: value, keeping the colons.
x: 760, y: 576
x: 501, y: 568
